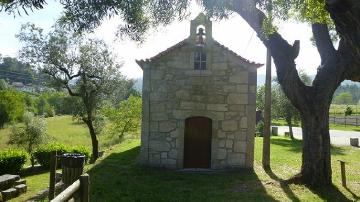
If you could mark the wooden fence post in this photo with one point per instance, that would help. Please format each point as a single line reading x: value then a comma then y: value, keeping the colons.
x: 53, y: 162
x: 85, y: 188
x: 343, y: 173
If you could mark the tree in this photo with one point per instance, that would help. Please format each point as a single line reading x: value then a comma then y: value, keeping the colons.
x: 260, y: 98
x: 329, y: 19
x: 3, y: 84
x: 313, y: 102
x: 85, y: 68
x: 126, y: 118
x: 12, y: 106
x: 348, y: 111
x: 282, y: 107
x: 344, y: 98
x: 30, y: 135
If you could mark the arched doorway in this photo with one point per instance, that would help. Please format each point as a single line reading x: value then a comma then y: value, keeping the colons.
x: 197, y: 142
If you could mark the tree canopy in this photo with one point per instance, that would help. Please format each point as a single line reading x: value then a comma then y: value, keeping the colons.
x: 313, y: 102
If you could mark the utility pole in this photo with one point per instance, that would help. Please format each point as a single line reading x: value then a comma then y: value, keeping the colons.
x: 267, y: 113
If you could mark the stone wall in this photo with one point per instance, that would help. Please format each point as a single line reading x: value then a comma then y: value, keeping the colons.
x: 173, y: 91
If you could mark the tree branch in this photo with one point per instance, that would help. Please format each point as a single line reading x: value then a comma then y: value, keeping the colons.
x: 283, y: 53
x: 346, y: 17
x: 72, y: 93
x: 323, y: 41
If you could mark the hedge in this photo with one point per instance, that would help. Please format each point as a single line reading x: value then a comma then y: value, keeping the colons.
x: 12, y: 160
x: 42, y: 153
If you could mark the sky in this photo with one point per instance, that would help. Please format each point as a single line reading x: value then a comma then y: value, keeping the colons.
x: 234, y: 33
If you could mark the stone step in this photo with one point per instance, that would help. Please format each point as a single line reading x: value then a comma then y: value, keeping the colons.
x: 9, y: 194
x: 21, y: 181
x: 7, y: 181
x: 21, y: 188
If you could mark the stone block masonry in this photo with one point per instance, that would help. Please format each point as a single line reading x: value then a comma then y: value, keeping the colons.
x: 173, y: 91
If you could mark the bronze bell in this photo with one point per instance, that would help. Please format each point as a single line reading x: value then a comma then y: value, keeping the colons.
x: 200, y: 37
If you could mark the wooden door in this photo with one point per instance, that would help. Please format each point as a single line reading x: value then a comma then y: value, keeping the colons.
x: 197, y: 142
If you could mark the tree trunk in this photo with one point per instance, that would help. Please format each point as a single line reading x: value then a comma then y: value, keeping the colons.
x: 289, y: 122
x: 94, y: 141
x: 316, y: 158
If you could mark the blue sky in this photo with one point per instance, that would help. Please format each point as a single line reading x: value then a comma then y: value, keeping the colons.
x: 233, y: 33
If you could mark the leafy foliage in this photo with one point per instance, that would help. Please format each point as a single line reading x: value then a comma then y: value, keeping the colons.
x: 353, y: 89
x: 344, y: 98
x: 43, y: 153
x: 348, y: 111
x: 31, y: 135
x: 85, y: 67
x: 12, y: 106
x: 125, y: 119
x: 3, y: 84
x: 12, y: 160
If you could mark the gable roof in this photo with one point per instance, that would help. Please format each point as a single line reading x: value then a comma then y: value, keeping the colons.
x: 185, y: 42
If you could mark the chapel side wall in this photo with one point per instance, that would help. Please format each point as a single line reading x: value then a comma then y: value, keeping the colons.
x: 145, y: 127
x: 224, y: 92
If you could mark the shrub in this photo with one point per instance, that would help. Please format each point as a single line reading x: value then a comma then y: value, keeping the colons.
x: 81, y: 150
x: 11, y: 161
x: 348, y: 111
x: 30, y: 135
x: 42, y: 154
x: 260, y: 128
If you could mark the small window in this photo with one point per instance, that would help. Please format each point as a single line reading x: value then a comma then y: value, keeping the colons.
x: 200, y: 60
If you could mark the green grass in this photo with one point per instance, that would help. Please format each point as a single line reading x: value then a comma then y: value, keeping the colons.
x: 336, y: 109
x: 63, y: 129
x: 332, y: 126
x: 117, y: 177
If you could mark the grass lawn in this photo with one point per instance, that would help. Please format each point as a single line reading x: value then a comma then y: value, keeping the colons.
x: 64, y: 130
x: 117, y: 177
x: 336, y: 109
x: 332, y: 126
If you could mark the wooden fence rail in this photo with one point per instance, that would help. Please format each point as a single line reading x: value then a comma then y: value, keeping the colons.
x: 79, y: 188
x: 345, y: 120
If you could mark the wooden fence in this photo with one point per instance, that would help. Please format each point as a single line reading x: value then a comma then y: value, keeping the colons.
x: 79, y: 189
x: 345, y: 120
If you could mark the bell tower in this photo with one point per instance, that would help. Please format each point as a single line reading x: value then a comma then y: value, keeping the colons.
x: 201, y: 30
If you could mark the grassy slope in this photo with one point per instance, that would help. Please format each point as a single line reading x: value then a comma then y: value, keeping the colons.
x: 62, y: 129
x: 117, y: 178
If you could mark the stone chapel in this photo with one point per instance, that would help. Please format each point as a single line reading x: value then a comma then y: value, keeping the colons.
x: 198, y: 100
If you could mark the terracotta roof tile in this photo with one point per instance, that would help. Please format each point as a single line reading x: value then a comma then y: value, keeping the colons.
x: 184, y: 42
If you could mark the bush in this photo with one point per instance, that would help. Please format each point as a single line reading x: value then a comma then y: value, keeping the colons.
x: 11, y: 161
x: 30, y: 135
x: 42, y: 154
x: 348, y: 111
x: 260, y: 128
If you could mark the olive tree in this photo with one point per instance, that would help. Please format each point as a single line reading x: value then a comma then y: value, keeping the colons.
x: 84, y: 67
x: 328, y: 19
x: 30, y: 135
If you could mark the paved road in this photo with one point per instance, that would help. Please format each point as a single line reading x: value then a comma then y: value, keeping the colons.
x: 337, y: 137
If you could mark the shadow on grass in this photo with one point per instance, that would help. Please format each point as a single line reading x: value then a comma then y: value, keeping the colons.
x: 327, y: 193
x: 118, y: 178
x: 283, y: 184
x: 356, y: 197
x: 295, y: 145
